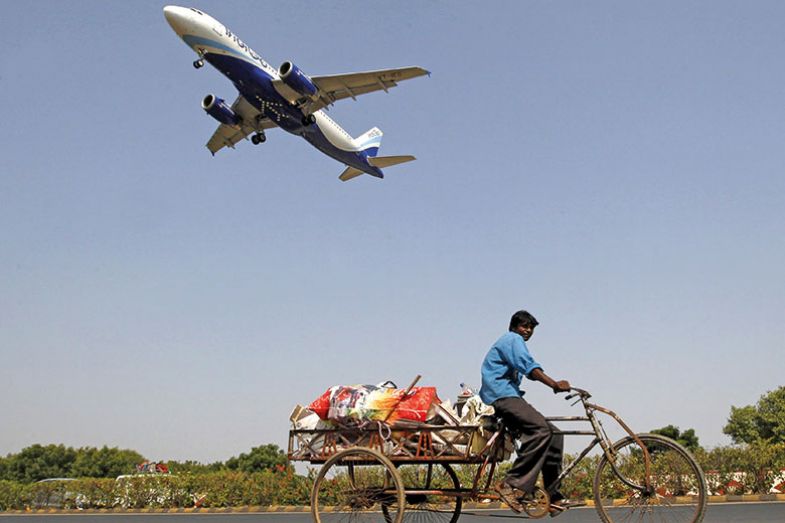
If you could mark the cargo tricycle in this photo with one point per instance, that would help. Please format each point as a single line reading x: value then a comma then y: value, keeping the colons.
x: 407, y: 470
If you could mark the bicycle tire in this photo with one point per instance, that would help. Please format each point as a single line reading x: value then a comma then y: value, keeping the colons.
x: 678, y: 492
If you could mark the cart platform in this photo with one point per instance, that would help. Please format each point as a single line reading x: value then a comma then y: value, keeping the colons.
x: 402, y: 442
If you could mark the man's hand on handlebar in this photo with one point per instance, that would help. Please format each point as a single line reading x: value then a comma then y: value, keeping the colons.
x: 561, y: 386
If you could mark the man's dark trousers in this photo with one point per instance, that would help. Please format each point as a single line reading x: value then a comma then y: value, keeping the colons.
x: 540, y: 448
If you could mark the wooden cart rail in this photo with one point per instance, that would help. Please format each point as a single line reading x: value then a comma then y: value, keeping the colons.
x: 401, y: 443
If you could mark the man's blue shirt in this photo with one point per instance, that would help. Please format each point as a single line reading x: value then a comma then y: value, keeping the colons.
x: 503, y: 368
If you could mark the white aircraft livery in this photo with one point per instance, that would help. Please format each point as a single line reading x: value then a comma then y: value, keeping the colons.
x: 285, y: 98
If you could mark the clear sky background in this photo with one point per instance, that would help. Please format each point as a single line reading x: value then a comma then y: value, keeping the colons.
x: 616, y: 168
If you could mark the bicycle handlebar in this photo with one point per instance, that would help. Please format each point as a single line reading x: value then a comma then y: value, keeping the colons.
x: 584, y: 394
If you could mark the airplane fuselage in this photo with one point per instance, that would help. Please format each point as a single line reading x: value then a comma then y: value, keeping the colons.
x: 253, y: 78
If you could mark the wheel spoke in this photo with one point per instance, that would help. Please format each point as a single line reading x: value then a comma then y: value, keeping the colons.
x: 430, y: 508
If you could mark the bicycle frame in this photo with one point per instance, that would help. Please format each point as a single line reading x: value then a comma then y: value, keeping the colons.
x: 600, y: 437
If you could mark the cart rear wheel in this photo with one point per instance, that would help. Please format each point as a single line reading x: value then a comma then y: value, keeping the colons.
x: 430, y: 508
x: 357, y: 485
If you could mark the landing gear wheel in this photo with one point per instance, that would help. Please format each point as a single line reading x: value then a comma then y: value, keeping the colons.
x: 539, y: 507
x: 309, y: 120
x: 258, y: 138
x: 198, y: 63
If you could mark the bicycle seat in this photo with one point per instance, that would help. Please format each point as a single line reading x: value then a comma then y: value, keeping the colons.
x: 498, y: 423
x: 491, y: 423
x: 495, y: 423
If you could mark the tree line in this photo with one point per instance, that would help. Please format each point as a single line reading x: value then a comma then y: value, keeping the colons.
x: 38, y: 462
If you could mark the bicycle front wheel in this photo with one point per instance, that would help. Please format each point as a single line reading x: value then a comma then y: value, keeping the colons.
x: 677, y: 487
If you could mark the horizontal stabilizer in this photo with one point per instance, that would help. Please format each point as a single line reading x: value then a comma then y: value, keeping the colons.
x: 386, y: 161
x: 350, y: 173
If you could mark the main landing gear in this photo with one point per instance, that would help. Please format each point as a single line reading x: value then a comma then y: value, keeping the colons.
x: 309, y: 120
x: 258, y: 138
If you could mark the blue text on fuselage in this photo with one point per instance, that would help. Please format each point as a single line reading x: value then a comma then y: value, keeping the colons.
x: 245, y: 47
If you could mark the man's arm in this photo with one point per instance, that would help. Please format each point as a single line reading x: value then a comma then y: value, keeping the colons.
x: 557, y: 386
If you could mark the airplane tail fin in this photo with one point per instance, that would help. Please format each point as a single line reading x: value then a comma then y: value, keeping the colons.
x: 369, y: 141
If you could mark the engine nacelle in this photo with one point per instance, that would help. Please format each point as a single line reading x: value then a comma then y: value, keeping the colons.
x: 296, y: 79
x: 219, y: 110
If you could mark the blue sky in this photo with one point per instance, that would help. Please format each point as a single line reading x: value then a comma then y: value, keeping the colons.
x: 616, y: 168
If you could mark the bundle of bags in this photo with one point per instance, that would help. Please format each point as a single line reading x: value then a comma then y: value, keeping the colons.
x: 355, y: 405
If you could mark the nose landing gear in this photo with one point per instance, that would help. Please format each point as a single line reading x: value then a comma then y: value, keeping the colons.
x: 199, y: 63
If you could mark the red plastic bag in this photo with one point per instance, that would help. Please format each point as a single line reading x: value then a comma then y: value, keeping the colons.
x: 321, y: 405
x: 416, y: 405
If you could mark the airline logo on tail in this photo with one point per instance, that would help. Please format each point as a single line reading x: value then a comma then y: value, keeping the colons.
x: 370, y: 141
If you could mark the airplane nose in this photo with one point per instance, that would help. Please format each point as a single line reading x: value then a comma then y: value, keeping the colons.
x: 178, y: 18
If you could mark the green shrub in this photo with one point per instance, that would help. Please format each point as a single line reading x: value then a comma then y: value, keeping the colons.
x: 579, y: 483
x: 746, y: 469
x: 10, y: 494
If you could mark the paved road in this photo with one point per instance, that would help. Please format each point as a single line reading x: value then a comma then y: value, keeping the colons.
x: 720, y: 513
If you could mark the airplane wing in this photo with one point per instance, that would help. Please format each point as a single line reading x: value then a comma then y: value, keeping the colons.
x: 350, y: 85
x: 229, y: 135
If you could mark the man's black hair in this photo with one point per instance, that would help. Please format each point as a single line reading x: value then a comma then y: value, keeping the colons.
x: 523, y: 318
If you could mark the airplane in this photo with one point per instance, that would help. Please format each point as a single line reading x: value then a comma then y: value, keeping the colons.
x: 285, y: 98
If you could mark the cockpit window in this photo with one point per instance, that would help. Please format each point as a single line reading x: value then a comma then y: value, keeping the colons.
x: 196, y: 11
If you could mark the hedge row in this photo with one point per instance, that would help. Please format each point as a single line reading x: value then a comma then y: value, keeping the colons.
x: 732, y: 470
x: 729, y: 470
x: 219, y: 489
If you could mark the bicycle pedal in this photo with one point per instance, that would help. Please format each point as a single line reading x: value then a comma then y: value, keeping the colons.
x: 566, y: 505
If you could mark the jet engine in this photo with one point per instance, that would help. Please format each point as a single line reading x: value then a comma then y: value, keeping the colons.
x: 296, y: 79
x: 219, y: 110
